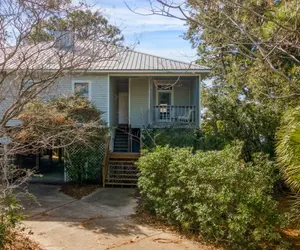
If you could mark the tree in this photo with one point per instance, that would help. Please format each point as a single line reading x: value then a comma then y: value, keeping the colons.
x: 29, y: 73
x: 232, y: 116
x: 258, y: 40
x: 253, y: 50
x: 288, y: 147
x: 86, y: 24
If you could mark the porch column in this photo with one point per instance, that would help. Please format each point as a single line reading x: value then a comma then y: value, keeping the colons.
x: 199, y: 98
x: 150, y: 113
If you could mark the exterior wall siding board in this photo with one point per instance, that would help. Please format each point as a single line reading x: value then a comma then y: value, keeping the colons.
x: 185, y: 93
x: 98, y: 88
x: 182, y: 93
x: 113, y: 103
x: 139, y: 106
x: 194, y: 92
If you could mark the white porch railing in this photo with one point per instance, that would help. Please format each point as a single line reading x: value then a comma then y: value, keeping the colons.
x: 175, y: 114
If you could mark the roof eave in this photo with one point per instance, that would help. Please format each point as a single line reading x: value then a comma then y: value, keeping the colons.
x: 190, y: 71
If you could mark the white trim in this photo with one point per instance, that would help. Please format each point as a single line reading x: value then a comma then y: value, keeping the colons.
x: 149, y: 93
x: 83, y: 81
x: 190, y: 89
x: 108, y: 100
x: 149, y: 101
x: 165, y: 91
x: 192, y: 72
x: 129, y: 100
x: 199, y: 97
x: 189, y: 72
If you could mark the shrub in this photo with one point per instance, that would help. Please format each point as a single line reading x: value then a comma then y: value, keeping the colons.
x: 11, y: 215
x: 213, y: 193
x: 172, y: 136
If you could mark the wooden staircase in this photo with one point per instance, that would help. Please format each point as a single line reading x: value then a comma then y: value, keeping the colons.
x: 119, y: 168
x: 121, y: 140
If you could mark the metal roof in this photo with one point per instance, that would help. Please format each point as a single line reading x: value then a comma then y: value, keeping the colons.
x: 94, y: 57
x: 138, y: 61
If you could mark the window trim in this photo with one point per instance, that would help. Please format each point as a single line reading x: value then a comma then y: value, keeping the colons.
x: 83, y: 81
x: 165, y: 91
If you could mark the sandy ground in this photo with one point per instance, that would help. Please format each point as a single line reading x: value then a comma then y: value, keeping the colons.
x: 98, y: 221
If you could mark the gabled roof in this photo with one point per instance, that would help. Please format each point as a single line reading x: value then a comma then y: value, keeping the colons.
x: 95, y: 57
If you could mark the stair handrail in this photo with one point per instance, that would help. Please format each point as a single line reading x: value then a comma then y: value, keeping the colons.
x: 129, y: 138
x: 105, y: 161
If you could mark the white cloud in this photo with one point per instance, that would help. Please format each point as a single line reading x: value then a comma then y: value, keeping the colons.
x: 131, y: 22
x: 158, y: 35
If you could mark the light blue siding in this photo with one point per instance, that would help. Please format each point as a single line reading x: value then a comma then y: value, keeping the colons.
x: 138, y: 102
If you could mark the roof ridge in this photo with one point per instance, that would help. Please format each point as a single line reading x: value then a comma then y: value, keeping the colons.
x: 145, y: 53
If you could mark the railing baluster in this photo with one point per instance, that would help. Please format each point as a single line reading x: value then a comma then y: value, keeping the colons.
x: 170, y: 113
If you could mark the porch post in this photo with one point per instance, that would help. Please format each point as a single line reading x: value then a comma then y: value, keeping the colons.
x: 129, y: 101
x: 150, y: 114
x: 108, y: 100
x: 199, y: 98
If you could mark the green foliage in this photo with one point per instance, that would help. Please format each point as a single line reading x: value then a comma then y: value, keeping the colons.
x: 86, y: 24
x: 252, y: 80
x: 288, y: 147
x: 72, y: 123
x: 11, y: 215
x: 213, y: 193
x: 172, y: 136
x: 60, y: 122
x: 232, y: 116
x: 288, y: 155
x: 84, y: 164
x: 237, y: 39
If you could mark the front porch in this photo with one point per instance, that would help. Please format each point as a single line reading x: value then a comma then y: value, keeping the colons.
x: 143, y: 101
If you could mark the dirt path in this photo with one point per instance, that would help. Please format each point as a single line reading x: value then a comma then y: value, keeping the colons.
x: 98, y: 221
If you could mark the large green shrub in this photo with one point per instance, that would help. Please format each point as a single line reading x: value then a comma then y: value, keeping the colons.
x: 213, y: 193
x: 172, y: 136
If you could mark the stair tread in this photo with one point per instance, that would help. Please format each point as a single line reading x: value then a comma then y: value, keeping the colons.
x: 121, y: 162
x: 115, y: 183
x: 122, y: 179
x: 133, y: 175
x: 128, y: 170
x: 128, y: 167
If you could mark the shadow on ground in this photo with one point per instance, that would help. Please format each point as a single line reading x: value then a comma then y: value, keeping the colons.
x: 98, y: 221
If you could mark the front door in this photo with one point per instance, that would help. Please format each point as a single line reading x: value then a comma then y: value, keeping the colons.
x: 165, y: 102
x: 123, y: 108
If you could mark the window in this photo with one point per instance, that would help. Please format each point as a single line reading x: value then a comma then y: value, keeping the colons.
x: 82, y: 89
x: 28, y: 84
x: 164, y: 87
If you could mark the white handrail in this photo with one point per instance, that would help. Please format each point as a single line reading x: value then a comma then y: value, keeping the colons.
x: 175, y: 114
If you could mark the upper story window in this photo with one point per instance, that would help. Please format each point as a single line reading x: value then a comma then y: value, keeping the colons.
x: 28, y: 84
x: 82, y: 89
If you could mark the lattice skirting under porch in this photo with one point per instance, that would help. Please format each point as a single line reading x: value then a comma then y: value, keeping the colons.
x: 88, y: 168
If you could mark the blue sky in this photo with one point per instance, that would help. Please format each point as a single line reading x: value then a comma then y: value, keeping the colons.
x: 156, y: 35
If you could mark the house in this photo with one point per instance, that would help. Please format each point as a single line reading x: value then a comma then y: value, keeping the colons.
x: 136, y: 90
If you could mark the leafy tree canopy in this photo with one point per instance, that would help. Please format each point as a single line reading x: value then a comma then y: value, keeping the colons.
x: 59, y: 122
x: 253, y: 50
x: 253, y: 45
x: 86, y: 24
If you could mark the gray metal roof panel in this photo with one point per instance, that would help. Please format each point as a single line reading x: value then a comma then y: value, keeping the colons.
x: 44, y: 56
